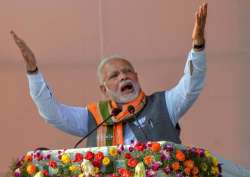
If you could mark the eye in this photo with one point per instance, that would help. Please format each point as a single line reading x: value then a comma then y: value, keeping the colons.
x: 127, y: 70
x: 113, y: 75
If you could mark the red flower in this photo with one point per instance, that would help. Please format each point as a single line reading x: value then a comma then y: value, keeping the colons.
x: 132, y: 162
x: 140, y: 146
x: 89, y: 155
x: 78, y: 157
x: 99, y: 156
x: 96, y: 163
x: 53, y: 164
x: 124, y: 173
x: 45, y: 172
x: 113, y: 175
x: 127, y: 155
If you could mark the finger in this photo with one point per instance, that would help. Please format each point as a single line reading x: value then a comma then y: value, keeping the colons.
x: 19, y: 41
x: 204, y: 15
x: 199, y: 16
x: 14, y: 35
x: 196, y: 16
x: 16, y: 38
x: 204, y: 9
x: 200, y: 11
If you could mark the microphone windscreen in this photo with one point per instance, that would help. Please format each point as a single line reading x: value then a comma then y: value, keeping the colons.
x: 116, y: 111
x: 131, y: 109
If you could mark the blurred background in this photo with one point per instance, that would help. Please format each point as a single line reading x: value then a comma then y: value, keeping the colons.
x: 69, y: 38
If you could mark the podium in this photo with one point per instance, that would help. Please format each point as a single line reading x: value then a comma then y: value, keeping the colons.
x: 135, y: 160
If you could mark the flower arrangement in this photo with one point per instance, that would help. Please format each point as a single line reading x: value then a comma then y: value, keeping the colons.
x: 137, y: 160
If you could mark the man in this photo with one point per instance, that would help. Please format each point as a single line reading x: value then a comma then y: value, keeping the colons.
x: 153, y: 117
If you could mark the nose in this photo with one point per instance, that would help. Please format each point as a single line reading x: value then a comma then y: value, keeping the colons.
x: 123, y: 76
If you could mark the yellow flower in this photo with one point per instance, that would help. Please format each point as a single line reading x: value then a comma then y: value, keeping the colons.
x: 81, y: 175
x: 105, y: 161
x: 113, y: 151
x: 96, y: 170
x: 204, y: 166
x: 65, y: 159
x: 207, y: 153
x: 214, y: 161
x: 215, y: 170
x: 74, y: 168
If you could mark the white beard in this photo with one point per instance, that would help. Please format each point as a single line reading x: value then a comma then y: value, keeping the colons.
x: 121, y: 99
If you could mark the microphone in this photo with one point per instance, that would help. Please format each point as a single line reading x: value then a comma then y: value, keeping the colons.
x: 131, y: 110
x: 114, y: 112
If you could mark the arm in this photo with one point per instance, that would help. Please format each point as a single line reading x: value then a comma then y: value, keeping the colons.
x: 183, y: 95
x: 180, y: 98
x: 73, y: 120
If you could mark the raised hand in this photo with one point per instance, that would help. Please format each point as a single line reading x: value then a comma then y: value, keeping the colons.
x: 199, y: 26
x: 28, y: 55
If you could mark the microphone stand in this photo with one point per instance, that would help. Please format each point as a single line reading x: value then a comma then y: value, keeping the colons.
x: 114, y: 112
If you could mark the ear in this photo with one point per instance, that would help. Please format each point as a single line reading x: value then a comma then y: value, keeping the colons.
x: 136, y: 74
x: 103, y: 90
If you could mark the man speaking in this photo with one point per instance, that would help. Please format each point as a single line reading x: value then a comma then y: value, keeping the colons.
x: 142, y: 117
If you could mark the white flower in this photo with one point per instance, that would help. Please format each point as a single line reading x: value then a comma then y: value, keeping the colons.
x: 140, y: 170
x: 39, y: 174
x: 87, y: 168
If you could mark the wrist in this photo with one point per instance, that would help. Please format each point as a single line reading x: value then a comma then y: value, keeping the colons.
x: 32, y: 71
x: 198, y: 44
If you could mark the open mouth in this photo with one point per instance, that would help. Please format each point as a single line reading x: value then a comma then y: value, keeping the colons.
x: 127, y: 88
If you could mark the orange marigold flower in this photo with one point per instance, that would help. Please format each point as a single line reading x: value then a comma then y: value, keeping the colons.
x: 175, y: 166
x: 195, y: 171
x: 187, y: 171
x: 180, y: 155
x: 155, y: 147
x: 189, y: 164
x: 148, y: 159
x: 28, y: 158
x: 31, y: 169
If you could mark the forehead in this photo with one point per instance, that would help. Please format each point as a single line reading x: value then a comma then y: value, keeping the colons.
x: 116, y: 64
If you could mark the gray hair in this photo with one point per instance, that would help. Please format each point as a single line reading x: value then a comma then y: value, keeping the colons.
x: 104, y: 61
